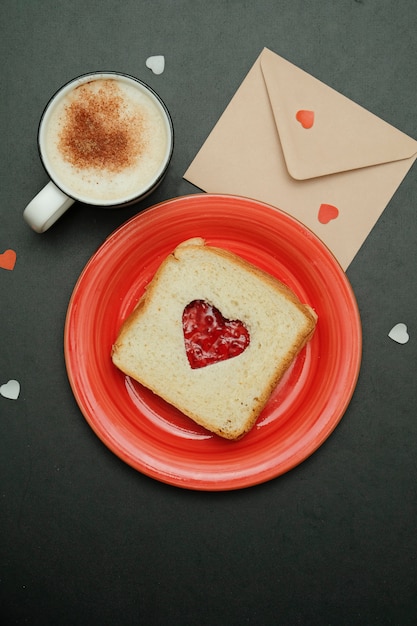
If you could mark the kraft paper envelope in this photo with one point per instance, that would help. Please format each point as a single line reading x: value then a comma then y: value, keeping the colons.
x: 291, y: 141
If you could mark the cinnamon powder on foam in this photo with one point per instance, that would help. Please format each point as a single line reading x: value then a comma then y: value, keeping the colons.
x: 99, y: 132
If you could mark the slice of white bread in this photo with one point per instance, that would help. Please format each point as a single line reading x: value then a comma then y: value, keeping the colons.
x: 225, y: 397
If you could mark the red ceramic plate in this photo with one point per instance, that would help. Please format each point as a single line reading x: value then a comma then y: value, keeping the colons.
x: 149, y: 434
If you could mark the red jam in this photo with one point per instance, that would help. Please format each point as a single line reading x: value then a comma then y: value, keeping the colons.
x: 209, y: 337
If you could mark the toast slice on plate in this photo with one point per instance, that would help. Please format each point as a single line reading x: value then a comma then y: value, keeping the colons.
x: 213, y: 335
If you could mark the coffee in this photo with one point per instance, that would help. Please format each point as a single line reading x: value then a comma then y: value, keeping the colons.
x: 105, y: 139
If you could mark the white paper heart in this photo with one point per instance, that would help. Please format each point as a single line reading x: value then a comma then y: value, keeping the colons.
x: 156, y: 63
x: 399, y: 333
x: 10, y: 390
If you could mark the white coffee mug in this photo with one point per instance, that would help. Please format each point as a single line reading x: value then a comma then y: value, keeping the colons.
x: 104, y: 139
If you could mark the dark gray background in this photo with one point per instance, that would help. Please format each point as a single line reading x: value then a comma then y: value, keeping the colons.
x: 85, y: 539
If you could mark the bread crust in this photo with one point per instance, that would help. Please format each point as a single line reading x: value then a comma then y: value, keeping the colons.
x: 196, y: 271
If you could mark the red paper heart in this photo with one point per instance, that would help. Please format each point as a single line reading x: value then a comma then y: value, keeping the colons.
x: 306, y: 118
x: 327, y: 213
x: 8, y: 259
x: 209, y: 337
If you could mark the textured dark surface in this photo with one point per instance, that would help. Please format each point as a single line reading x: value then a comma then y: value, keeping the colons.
x: 84, y: 539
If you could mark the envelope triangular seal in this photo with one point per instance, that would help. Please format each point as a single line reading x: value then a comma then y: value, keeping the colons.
x: 344, y: 135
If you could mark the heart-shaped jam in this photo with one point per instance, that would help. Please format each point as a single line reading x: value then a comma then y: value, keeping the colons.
x: 209, y: 337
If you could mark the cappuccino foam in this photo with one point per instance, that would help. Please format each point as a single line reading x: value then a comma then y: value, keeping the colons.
x: 105, y: 141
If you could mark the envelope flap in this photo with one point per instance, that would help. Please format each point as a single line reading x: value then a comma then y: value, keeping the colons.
x: 323, y: 132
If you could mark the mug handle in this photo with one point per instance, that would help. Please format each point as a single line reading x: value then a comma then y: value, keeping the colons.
x: 46, y: 207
